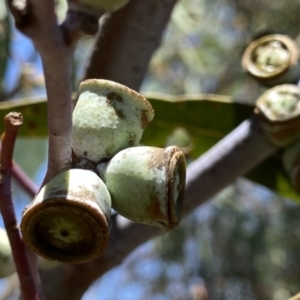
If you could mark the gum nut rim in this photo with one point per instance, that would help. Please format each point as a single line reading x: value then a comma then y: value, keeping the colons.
x: 176, y: 175
x: 280, y: 103
x: 108, y: 118
x: 249, y: 56
x: 159, y: 184
x: 103, y: 86
x: 69, y: 218
x: 65, y: 230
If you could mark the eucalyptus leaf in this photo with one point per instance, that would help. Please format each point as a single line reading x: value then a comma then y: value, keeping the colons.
x: 206, y: 118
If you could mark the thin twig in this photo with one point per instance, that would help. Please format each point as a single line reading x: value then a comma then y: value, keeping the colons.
x: 24, y: 180
x: 12, y: 123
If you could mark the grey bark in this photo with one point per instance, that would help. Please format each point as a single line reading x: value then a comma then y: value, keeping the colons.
x: 126, y: 41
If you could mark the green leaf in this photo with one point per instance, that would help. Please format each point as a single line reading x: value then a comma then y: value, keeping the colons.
x: 207, y: 119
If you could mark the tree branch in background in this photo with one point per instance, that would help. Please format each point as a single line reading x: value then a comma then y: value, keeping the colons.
x: 126, y: 41
x: 12, y: 123
x: 235, y: 155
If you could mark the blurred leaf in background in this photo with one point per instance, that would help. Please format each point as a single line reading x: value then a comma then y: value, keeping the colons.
x: 244, y: 245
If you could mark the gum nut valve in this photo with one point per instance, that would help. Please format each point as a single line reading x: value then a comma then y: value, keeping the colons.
x: 108, y: 117
x: 69, y: 219
x: 278, y: 109
x: 147, y: 184
x: 96, y: 7
x: 7, y: 265
x: 272, y: 59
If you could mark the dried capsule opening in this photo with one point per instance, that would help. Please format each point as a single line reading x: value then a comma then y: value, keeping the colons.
x: 281, y: 103
x: 65, y: 230
x: 176, y: 186
x: 270, y: 56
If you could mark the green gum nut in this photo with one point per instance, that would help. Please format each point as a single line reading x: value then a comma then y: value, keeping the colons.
x: 147, y: 184
x: 108, y: 117
x: 7, y: 265
x: 69, y: 219
x: 96, y: 7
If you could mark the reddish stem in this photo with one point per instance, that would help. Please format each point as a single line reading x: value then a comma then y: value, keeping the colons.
x: 24, y: 180
x: 12, y: 123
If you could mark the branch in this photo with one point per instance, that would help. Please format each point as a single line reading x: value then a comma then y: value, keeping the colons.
x: 127, y: 40
x: 12, y: 123
x: 78, y: 25
x: 24, y: 181
x: 235, y: 155
x: 55, y: 45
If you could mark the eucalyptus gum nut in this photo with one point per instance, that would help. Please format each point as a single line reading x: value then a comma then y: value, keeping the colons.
x: 108, y: 117
x: 147, y: 184
x: 272, y: 59
x: 7, y: 265
x: 278, y: 109
x: 69, y: 219
x: 96, y: 7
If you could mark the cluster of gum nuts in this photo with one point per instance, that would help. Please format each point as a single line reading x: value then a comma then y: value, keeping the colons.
x: 69, y: 220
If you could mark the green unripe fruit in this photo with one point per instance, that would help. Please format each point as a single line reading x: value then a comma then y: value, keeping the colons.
x: 96, y: 7
x: 69, y: 219
x: 108, y: 117
x: 7, y: 265
x: 147, y: 184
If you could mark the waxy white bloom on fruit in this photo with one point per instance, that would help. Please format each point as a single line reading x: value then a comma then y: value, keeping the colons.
x: 108, y: 118
x: 147, y: 184
x: 7, y: 265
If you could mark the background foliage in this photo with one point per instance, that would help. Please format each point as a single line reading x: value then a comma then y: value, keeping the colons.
x: 242, y: 245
